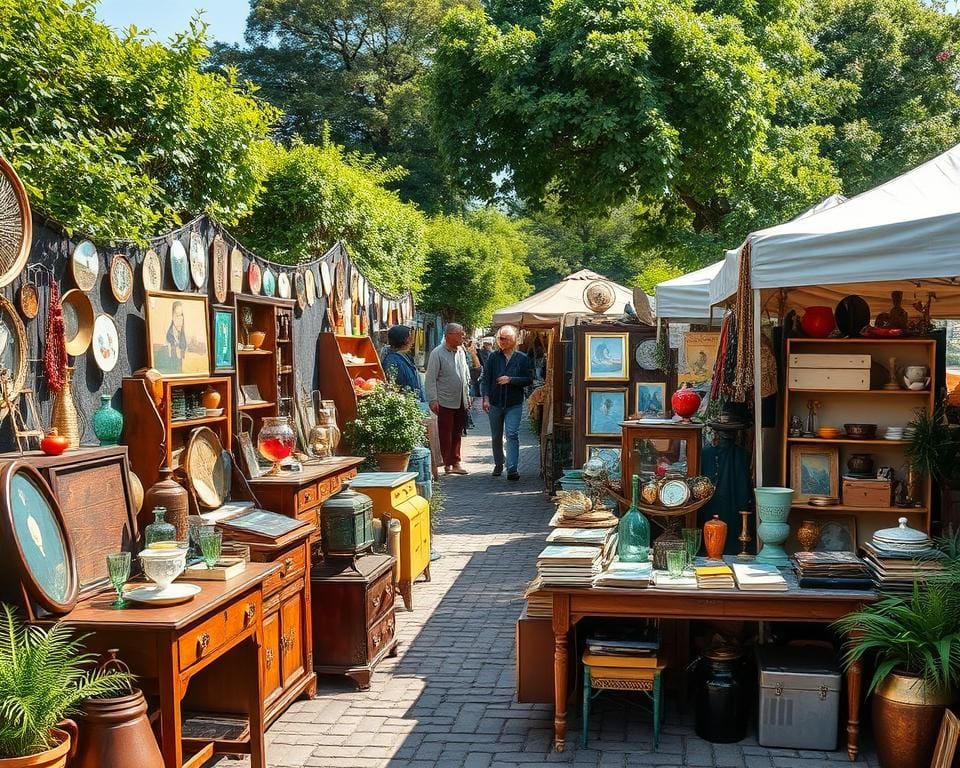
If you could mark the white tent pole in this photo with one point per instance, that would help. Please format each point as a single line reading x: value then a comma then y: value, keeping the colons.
x: 757, y: 421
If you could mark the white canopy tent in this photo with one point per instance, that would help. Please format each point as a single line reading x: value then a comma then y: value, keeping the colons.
x: 686, y: 299
x: 563, y: 302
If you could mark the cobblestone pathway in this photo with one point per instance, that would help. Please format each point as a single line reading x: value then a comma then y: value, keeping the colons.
x: 447, y: 699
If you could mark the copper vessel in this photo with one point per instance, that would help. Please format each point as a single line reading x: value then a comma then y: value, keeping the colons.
x: 168, y: 493
x: 714, y: 537
x: 116, y: 732
x: 906, y: 721
x: 808, y: 535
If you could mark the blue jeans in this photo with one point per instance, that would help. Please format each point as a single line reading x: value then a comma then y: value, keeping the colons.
x: 506, y: 419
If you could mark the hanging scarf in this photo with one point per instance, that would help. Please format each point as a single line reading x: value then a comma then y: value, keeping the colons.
x: 743, y: 309
x: 55, y: 347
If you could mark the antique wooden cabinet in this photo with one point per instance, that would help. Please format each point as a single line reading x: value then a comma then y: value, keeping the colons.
x: 354, y: 621
x: 338, y: 375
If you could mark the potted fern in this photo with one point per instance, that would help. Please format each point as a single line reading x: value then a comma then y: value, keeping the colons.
x: 44, y: 676
x: 388, y: 426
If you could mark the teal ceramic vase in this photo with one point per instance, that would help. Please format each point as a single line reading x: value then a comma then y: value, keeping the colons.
x: 773, y: 509
x: 107, y: 422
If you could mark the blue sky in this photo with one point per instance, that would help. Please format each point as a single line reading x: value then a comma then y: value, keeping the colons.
x: 227, y: 18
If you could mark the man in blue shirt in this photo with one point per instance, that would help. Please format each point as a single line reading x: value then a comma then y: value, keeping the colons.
x: 397, y: 363
x: 505, y: 375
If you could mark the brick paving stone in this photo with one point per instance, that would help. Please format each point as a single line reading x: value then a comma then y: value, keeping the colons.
x: 447, y: 698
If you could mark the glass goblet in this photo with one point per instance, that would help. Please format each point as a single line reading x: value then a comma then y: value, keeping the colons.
x: 118, y: 567
x: 691, y: 542
x: 211, y: 541
x: 676, y: 560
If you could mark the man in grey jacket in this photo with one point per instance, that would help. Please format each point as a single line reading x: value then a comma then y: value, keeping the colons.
x: 447, y: 382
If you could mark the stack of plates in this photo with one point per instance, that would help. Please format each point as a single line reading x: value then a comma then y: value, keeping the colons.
x: 823, y: 501
x: 893, y: 433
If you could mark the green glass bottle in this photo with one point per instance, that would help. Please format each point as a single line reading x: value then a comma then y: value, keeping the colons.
x: 633, y: 543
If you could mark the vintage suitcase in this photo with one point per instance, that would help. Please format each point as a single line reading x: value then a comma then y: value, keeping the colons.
x: 867, y: 493
x: 799, y: 697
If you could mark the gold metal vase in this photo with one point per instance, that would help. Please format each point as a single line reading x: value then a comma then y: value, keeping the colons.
x: 65, y: 418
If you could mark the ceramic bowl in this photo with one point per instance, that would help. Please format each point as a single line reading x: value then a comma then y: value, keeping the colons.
x: 162, y: 566
x: 860, y: 431
x: 257, y: 338
x: 214, y: 411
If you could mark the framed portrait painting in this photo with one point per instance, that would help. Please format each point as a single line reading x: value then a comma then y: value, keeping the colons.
x: 650, y: 398
x: 814, y: 471
x: 178, y: 337
x: 606, y: 408
x: 606, y: 357
x: 223, y: 321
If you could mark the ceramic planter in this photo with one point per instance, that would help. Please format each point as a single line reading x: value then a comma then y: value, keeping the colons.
x: 52, y: 758
x: 906, y: 721
x: 773, y: 508
x: 392, y: 462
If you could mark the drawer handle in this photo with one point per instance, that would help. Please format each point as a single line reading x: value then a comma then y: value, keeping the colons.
x: 287, y: 565
x: 203, y: 640
x: 269, y: 657
x: 377, y: 600
x: 250, y: 611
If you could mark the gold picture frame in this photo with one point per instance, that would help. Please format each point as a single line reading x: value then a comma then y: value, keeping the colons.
x: 606, y: 357
x: 178, y: 334
x: 814, y: 471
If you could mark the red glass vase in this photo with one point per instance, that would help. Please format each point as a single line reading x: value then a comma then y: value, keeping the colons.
x: 685, y: 402
x: 818, y: 322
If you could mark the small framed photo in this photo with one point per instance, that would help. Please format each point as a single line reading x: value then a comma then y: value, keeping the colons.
x: 649, y: 398
x: 838, y: 533
x: 606, y: 408
x: 609, y: 455
x: 814, y: 471
x: 223, y: 322
x: 248, y: 456
x: 178, y: 337
x: 606, y: 357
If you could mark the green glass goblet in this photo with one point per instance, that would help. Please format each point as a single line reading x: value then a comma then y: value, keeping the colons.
x: 691, y: 541
x: 676, y: 560
x: 211, y: 542
x: 118, y: 567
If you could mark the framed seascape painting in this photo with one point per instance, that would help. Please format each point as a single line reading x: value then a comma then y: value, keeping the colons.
x: 609, y: 455
x: 223, y: 321
x: 606, y: 357
x: 178, y: 334
x: 606, y: 408
x: 649, y: 398
x: 814, y: 471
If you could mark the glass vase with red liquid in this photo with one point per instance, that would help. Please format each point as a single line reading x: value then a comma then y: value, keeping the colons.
x: 276, y: 441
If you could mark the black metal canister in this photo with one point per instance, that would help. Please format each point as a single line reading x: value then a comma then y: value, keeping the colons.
x: 720, y: 702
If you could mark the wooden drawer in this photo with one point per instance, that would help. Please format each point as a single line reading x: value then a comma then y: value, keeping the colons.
x: 306, y: 497
x: 380, y: 635
x: 830, y: 361
x: 218, y: 630
x: 867, y: 493
x: 829, y: 378
x: 292, y: 564
x: 380, y: 598
x: 403, y: 492
x: 272, y: 584
x: 271, y: 656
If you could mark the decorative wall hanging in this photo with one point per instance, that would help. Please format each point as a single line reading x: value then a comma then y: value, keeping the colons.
x: 85, y: 265
x: 29, y: 300
x: 646, y: 355
x: 16, y: 224
x: 218, y: 268
x: 178, y: 342
x: 283, y: 285
x: 269, y: 282
x: 179, y: 266
x: 106, y: 343
x: 354, y: 284
x: 300, y: 289
x: 198, y: 260
x: 77, y: 321
x: 13, y: 355
x: 254, y: 278
x: 206, y: 473
x: 340, y: 281
x: 814, y: 471
x: 236, y: 271
x: 223, y: 320
x: 121, y: 278
x: 649, y: 398
x: 311, y: 284
x: 151, y: 272
x: 699, y: 355
x: 326, y: 283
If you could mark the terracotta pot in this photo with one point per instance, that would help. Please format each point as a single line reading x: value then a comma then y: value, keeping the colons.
x: 52, y: 758
x: 392, y: 462
x: 906, y: 721
x: 818, y: 322
x: 116, y: 732
x: 808, y: 535
x: 211, y: 398
x: 168, y: 493
x: 714, y: 537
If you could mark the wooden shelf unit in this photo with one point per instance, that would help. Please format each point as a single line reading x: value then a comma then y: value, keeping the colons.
x: 886, y: 408
x: 337, y: 381
x: 153, y: 437
x: 271, y: 366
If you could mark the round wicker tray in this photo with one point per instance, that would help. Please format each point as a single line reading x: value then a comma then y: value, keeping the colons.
x: 658, y: 510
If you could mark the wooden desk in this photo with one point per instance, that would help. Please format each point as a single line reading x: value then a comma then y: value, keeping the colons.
x: 572, y: 604
x: 173, y: 648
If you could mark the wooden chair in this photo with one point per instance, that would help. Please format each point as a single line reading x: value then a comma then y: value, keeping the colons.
x: 622, y: 673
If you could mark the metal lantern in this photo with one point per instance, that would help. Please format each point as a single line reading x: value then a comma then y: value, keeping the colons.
x: 346, y: 524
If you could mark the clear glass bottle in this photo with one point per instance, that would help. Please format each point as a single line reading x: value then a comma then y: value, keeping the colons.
x: 633, y: 544
x: 159, y: 529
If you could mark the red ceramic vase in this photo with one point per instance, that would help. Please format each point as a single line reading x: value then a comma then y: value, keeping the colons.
x: 818, y: 322
x: 714, y: 537
x: 685, y: 402
x: 53, y: 444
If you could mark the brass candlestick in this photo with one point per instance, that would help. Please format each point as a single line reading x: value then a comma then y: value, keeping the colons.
x: 744, y: 537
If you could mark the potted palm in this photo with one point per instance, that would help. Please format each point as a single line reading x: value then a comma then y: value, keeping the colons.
x: 916, y: 641
x: 44, y: 676
x: 932, y: 452
x: 388, y: 426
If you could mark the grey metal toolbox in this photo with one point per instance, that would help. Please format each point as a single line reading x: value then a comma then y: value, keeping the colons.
x: 799, y: 697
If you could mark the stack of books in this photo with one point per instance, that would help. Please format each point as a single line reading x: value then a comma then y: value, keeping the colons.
x: 896, y: 571
x: 594, y: 536
x: 539, y: 603
x: 625, y: 575
x: 831, y: 570
x: 663, y: 580
x: 637, y: 643
x: 759, y: 577
x: 715, y: 577
x: 569, y: 565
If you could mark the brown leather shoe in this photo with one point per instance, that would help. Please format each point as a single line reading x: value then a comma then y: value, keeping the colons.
x: 458, y: 470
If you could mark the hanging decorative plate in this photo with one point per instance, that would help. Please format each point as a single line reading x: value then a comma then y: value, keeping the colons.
x: 218, y: 268
x: 151, y: 273
x: 254, y: 278
x: 198, y: 260
x: 35, y: 542
x: 311, y: 284
x: 384, y: 309
x: 77, y: 321
x: 201, y: 462
x: 121, y: 278
x: 236, y: 271
x: 326, y: 284
x: 85, y: 265
x: 16, y: 224
x: 340, y: 281
x: 179, y: 266
x: 354, y: 283
x: 300, y: 289
x: 29, y: 300
x: 13, y: 349
x: 106, y: 343
x: 269, y: 282
x: 646, y: 355
x: 283, y: 285
x: 674, y: 493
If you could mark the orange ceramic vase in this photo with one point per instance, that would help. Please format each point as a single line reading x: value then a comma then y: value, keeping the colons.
x: 714, y: 537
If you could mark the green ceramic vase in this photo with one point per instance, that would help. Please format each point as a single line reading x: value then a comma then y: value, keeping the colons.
x: 107, y: 422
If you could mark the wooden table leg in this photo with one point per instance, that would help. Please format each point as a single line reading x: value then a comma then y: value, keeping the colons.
x: 561, y: 631
x: 854, y: 674
x: 258, y: 754
x: 170, y: 723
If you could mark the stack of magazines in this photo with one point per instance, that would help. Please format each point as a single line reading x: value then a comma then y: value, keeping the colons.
x: 569, y: 565
x: 759, y: 577
x: 625, y: 575
x: 636, y: 642
x: 539, y: 603
x: 896, y: 571
x: 831, y: 570
x: 714, y: 577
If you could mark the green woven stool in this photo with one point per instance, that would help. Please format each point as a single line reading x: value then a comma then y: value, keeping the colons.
x: 622, y: 673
